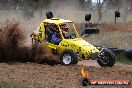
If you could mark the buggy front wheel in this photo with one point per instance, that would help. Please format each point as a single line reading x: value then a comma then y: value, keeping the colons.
x: 68, y: 57
x: 106, y: 58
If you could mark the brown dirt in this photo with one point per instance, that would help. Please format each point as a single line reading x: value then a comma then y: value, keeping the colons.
x: 116, y: 27
x: 54, y: 75
x: 34, y: 75
x: 108, y: 26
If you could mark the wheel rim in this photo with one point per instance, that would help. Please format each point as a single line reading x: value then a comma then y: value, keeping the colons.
x: 67, y: 59
x: 104, y: 58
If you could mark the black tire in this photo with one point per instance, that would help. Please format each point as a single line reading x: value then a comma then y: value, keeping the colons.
x: 106, y: 58
x: 128, y: 54
x: 49, y: 14
x: 116, y: 50
x: 70, y: 53
x: 91, y: 30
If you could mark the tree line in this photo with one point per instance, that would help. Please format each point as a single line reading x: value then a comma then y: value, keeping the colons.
x: 29, y: 6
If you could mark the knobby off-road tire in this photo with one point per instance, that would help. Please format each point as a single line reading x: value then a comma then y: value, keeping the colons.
x: 68, y: 57
x: 106, y: 58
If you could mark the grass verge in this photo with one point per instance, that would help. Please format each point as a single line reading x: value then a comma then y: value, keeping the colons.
x: 121, y: 58
x: 9, y: 85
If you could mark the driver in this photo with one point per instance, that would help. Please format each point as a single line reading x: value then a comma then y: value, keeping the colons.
x: 64, y: 29
x: 56, y: 38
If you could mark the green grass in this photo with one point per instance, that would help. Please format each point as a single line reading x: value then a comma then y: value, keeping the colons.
x: 120, y: 58
x: 9, y: 85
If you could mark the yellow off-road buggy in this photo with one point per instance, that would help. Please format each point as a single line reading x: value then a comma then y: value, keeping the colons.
x: 71, y: 48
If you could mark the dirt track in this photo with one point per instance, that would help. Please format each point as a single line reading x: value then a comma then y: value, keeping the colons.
x: 34, y: 75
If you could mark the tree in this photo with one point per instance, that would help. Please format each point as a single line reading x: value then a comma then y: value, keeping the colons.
x: 125, y: 10
x: 124, y: 5
x: 84, y: 3
x: 100, y: 6
x: 114, y: 4
x: 99, y: 10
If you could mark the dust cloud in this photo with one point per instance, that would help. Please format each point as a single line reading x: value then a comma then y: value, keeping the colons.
x: 13, y: 48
